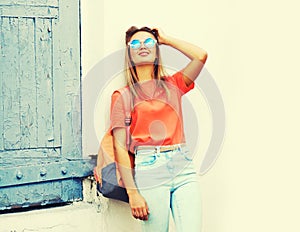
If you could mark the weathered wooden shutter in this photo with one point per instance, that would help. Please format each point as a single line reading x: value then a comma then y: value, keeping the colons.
x: 40, y: 117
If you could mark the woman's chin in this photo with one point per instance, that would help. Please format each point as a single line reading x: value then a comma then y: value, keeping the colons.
x: 144, y: 62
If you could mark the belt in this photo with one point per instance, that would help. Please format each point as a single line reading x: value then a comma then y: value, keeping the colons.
x: 164, y: 148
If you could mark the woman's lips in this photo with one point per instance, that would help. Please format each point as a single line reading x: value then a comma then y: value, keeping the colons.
x: 144, y: 53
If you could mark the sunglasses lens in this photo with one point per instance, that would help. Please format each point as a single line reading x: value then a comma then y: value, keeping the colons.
x: 135, y: 44
x: 149, y: 43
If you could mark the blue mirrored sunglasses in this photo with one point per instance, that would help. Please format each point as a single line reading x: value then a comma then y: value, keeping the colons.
x: 136, y: 44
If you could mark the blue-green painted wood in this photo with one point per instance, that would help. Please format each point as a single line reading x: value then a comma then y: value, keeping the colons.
x: 1, y: 86
x: 27, y: 11
x: 43, y: 170
x: 68, y: 54
x: 35, y: 153
x: 11, y: 84
x: 44, y: 81
x: 34, y: 3
x: 28, y: 101
x: 57, y: 84
x: 42, y: 193
x: 40, y: 145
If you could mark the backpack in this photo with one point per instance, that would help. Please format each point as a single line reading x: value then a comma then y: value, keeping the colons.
x: 106, y: 173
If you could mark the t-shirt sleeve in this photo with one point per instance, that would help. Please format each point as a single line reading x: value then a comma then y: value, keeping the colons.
x: 178, y: 80
x: 117, y: 112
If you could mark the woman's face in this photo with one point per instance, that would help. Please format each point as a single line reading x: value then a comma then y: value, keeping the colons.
x: 146, y: 53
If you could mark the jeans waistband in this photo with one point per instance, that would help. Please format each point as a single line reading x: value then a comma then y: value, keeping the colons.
x: 158, y: 149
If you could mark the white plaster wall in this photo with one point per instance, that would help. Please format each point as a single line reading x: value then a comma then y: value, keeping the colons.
x: 94, y: 213
x: 253, y: 49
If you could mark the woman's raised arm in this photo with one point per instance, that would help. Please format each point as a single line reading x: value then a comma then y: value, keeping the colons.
x: 196, y: 54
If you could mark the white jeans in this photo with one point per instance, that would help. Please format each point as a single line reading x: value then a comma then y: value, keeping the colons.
x: 169, y: 180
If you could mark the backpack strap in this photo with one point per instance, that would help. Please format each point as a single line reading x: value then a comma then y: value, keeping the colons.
x: 126, y: 96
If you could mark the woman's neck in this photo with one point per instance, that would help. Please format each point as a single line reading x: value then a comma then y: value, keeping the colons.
x: 145, y: 72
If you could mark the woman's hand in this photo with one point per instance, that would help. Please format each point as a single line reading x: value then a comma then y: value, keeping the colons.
x: 138, y: 205
x: 196, y: 54
x: 162, y: 37
x: 97, y: 175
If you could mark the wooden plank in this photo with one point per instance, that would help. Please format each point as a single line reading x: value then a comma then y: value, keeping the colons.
x: 11, y: 87
x: 27, y: 83
x: 26, y: 11
x: 69, y: 61
x: 57, y: 86
x: 44, y: 177
x: 43, y: 193
x: 1, y: 111
x: 30, y: 2
x: 26, y: 195
x: 37, y: 153
x: 31, y: 171
x: 44, y: 83
x: 72, y: 190
x: 2, y: 67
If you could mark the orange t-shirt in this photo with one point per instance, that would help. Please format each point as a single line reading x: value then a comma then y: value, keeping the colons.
x: 156, y: 113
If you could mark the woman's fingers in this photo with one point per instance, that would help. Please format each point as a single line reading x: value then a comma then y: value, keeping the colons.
x: 145, y: 214
x: 161, y: 35
x: 140, y: 213
x: 139, y: 207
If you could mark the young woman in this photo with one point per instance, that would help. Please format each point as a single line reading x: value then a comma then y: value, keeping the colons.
x: 164, y: 177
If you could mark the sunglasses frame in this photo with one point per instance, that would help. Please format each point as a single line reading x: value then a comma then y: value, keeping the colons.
x: 140, y: 43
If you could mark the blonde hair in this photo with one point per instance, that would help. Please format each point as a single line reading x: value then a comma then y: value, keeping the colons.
x: 132, y: 78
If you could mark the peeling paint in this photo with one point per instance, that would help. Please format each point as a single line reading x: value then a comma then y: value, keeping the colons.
x: 40, y: 121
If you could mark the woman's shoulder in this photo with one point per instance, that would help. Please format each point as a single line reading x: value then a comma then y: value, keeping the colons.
x: 121, y: 94
x: 122, y: 90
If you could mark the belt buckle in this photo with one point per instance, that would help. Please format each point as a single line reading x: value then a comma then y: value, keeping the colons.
x: 158, y: 149
x: 169, y: 148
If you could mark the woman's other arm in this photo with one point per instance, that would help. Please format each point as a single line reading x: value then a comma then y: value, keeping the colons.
x: 138, y: 205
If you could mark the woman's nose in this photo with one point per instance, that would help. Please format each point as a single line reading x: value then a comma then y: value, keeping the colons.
x: 142, y: 46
